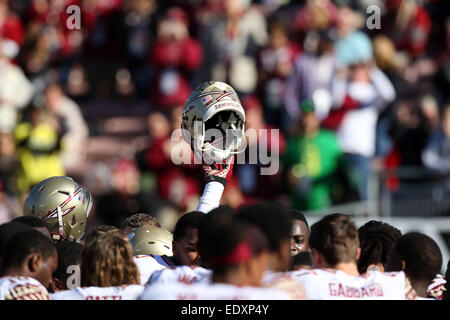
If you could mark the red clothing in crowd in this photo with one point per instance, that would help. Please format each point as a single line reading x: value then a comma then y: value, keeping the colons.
x: 12, y: 28
x: 174, y: 60
x: 415, y: 40
x: 174, y: 181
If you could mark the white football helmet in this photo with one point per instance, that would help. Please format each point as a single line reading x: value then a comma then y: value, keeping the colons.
x: 214, y: 121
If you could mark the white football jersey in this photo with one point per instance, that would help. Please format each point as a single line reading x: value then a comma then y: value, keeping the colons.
x: 284, y: 282
x: 22, y: 288
x: 130, y: 292
x: 215, y: 291
x: 331, y: 284
x: 147, y: 264
x: 184, y: 274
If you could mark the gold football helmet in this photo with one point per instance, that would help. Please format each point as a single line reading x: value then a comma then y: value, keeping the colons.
x: 62, y: 204
x: 214, y: 121
x: 151, y: 240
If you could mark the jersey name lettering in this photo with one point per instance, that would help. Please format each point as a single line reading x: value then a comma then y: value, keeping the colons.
x: 340, y: 290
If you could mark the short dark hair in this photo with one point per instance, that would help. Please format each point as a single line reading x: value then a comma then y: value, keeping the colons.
x: 69, y: 253
x: 422, y: 256
x: 220, y: 233
x: 297, y: 215
x: 7, y: 232
x: 139, y: 220
x: 335, y: 236
x: 101, y: 230
x: 273, y: 220
x: 375, y: 240
x: 188, y: 220
x: 25, y: 243
x: 31, y: 221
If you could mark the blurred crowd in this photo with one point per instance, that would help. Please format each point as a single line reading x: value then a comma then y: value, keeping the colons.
x: 348, y: 96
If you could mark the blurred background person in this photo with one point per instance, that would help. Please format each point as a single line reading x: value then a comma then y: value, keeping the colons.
x: 38, y: 149
x: 275, y: 64
x: 12, y: 82
x: 175, y: 55
x: 436, y: 155
x: 311, y: 163
x: 231, y: 41
x: 71, y: 126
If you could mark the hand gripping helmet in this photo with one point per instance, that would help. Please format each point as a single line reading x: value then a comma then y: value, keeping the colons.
x: 62, y: 204
x: 214, y: 121
x: 151, y: 240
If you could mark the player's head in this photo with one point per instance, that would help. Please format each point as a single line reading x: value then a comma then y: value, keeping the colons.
x: 138, y: 220
x: 300, y: 232
x: 35, y: 223
x: 334, y: 239
x: 7, y: 232
x: 236, y: 252
x: 375, y: 240
x: 275, y: 222
x: 151, y: 241
x: 69, y: 258
x: 31, y: 254
x: 107, y: 261
x: 62, y: 204
x: 185, y: 239
x: 418, y: 256
x: 101, y: 230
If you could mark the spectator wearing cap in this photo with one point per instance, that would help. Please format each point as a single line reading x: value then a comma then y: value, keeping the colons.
x: 175, y: 55
x: 311, y: 162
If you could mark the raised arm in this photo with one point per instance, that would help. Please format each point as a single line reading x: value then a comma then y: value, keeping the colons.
x: 216, y: 177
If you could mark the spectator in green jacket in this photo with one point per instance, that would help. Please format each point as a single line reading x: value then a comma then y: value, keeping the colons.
x: 311, y: 162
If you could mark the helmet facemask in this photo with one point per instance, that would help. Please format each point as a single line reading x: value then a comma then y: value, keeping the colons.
x: 65, y: 226
x: 223, y: 136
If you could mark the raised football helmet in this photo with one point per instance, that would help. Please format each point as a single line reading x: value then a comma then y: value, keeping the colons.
x: 214, y: 121
x: 151, y: 240
x: 62, y: 204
